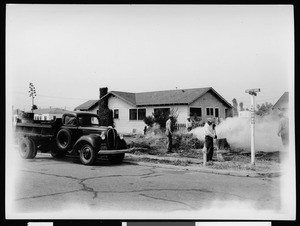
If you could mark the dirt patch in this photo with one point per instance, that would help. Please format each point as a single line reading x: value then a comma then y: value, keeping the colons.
x: 188, y: 152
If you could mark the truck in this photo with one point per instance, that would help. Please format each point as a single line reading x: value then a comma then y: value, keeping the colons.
x: 75, y: 133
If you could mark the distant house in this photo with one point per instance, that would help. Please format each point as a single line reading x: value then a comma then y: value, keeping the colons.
x: 283, y: 103
x: 244, y: 114
x: 129, y: 109
x: 48, y: 113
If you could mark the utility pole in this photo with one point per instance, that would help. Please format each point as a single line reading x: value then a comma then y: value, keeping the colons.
x: 32, y: 94
x: 253, y: 93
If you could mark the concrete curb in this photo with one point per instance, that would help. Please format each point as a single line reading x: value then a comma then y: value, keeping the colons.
x: 195, y: 165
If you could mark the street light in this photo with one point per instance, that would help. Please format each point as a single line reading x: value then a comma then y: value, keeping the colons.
x: 253, y: 93
x: 32, y: 94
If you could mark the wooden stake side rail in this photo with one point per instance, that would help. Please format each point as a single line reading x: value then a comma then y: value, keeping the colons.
x: 34, y: 135
x: 42, y: 129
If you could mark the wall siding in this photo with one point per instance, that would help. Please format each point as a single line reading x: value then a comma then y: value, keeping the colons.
x: 210, y: 100
x: 123, y: 124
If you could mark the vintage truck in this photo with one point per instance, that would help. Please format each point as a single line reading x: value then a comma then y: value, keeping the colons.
x: 76, y: 133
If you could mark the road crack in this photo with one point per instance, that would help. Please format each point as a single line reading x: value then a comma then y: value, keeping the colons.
x: 168, y: 200
x: 84, y: 188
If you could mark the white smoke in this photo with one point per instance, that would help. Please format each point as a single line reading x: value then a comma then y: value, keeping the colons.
x: 237, y: 131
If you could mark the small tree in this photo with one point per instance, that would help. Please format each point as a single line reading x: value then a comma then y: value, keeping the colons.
x: 149, y: 120
x: 264, y: 109
x: 160, y: 116
x: 34, y: 107
x: 106, y: 117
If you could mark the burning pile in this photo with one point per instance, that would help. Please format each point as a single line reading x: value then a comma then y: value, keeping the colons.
x: 237, y: 132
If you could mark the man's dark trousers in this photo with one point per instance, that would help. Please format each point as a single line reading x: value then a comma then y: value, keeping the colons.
x: 169, y: 142
x: 209, y: 143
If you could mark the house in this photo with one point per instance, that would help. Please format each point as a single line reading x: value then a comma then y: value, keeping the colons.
x: 48, y: 113
x: 283, y: 103
x: 129, y: 109
x: 244, y: 114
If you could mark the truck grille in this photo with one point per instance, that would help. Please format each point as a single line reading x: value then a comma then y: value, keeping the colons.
x: 112, y: 139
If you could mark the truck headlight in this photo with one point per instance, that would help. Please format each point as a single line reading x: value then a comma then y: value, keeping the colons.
x: 121, y: 136
x: 102, y: 136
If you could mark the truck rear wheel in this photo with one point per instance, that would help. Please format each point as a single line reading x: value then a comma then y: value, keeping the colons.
x: 27, y: 148
x: 87, y: 154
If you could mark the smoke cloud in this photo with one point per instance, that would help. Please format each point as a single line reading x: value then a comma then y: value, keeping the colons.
x: 237, y: 131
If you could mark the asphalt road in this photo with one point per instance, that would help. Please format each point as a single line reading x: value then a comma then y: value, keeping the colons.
x: 45, y: 185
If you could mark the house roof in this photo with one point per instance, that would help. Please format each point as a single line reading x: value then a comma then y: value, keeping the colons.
x: 86, y: 105
x: 167, y: 97
x: 127, y: 97
x: 50, y: 111
x: 283, y: 101
x: 158, y: 98
x: 173, y: 97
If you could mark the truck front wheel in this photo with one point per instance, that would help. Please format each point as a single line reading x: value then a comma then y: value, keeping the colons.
x: 27, y: 148
x: 87, y: 154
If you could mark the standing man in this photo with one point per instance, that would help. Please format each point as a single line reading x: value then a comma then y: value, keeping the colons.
x: 283, y: 131
x: 210, y: 134
x: 189, y: 124
x: 169, y: 133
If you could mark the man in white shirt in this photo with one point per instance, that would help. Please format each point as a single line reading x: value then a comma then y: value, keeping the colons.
x: 283, y: 132
x: 189, y: 124
x: 210, y: 134
x: 169, y: 133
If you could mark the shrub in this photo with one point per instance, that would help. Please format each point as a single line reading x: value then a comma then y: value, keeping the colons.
x: 149, y: 120
x: 106, y: 117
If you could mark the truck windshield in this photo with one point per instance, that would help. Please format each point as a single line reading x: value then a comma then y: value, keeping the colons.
x: 88, y: 120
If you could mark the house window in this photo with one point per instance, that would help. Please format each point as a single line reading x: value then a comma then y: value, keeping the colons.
x: 137, y: 114
x: 45, y: 117
x: 217, y: 112
x: 116, y: 113
x: 196, y: 112
x: 132, y: 114
x: 141, y: 114
x: 210, y: 111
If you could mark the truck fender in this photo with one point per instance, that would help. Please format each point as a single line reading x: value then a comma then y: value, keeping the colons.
x: 92, y: 139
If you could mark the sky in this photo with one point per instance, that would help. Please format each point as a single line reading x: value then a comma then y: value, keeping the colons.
x: 69, y: 51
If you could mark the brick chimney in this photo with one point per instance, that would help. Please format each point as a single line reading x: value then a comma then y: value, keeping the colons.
x: 105, y: 114
x: 103, y: 103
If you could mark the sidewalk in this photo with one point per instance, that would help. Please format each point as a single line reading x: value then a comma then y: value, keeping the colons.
x: 193, y: 164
